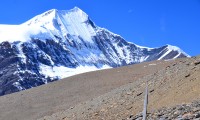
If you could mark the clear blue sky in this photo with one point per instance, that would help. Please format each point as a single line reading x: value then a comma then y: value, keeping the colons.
x: 149, y: 23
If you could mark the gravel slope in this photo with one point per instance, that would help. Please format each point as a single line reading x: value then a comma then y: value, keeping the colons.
x: 67, y: 93
x: 178, y: 83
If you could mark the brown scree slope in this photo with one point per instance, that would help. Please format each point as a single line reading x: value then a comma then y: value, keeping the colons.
x: 63, y: 94
x: 107, y: 94
x: 176, y: 84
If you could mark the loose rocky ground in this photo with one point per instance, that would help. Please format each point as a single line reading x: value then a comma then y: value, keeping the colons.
x: 179, y: 112
x: 176, y: 84
x: 67, y: 93
x: 113, y: 94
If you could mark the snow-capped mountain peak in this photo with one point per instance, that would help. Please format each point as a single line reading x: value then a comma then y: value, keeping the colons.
x: 64, y: 22
x: 21, y: 33
x: 42, y: 19
x: 175, y: 48
x: 53, y: 15
x: 62, y: 43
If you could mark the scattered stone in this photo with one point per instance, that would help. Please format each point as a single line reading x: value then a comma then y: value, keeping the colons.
x: 129, y: 108
x: 96, y: 114
x: 131, y: 116
x: 65, y: 118
x: 139, y: 94
x: 187, y: 116
x: 151, y: 91
x: 198, y: 115
x: 179, y: 112
x: 196, y: 63
x: 129, y: 93
x: 174, y: 64
x: 187, y: 75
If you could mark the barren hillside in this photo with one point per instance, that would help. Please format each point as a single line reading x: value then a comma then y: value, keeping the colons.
x: 107, y: 94
x: 174, y: 85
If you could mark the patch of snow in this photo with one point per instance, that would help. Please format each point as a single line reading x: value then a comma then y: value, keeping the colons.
x: 164, y: 54
x: 21, y: 54
x: 123, y: 53
x: 143, y: 58
x: 152, y: 64
x: 99, y: 29
x: 175, y: 48
x: 75, y: 22
x: 18, y: 86
x: 169, y: 60
x: 177, y: 55
x: 142, y: 47
x: 43, y: 20
x: 63, y: 22
x: 12, y: 33
x: 119, y: 50
x: 63, y: 72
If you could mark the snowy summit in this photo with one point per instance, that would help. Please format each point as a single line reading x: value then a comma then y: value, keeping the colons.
x: 58, y: 44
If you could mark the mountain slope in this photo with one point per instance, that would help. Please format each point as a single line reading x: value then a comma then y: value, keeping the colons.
x: 58, y: 44
x: 107, y: 94
x: 63, y: 94
x: 171, y: 92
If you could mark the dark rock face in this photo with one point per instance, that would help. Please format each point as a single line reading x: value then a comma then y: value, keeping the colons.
x: 8, y: 65
x: 16, y: 75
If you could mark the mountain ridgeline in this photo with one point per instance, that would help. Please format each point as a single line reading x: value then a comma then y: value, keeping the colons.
x: 58, y: 44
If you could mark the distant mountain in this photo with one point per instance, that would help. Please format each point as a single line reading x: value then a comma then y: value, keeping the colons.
x: 58, y: 44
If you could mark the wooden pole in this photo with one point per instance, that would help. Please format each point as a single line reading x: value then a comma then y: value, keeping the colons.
x: 145, y: 103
